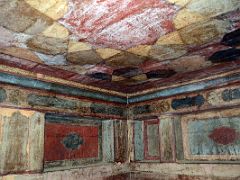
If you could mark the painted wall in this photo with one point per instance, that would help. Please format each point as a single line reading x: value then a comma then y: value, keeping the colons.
x: 44, y: 132
x: 46, y: 135
x: 200, y: 128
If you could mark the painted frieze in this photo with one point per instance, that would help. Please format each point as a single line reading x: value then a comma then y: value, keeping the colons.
x: 138, y: 140
x: 50, y: 102
x: 191, y: 102
x: 187, y: 102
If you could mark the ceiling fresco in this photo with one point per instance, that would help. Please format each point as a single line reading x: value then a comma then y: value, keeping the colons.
x: 121, y: 45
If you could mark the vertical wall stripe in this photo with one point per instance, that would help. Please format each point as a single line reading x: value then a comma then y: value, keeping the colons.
x: 108, y: 141
x: 179, y: 142
x: 138, y: 140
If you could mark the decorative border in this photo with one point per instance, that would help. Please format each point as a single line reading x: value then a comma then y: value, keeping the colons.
x: 58, y: 88
x: 39, y: 81
x: 188, y: 88
x: 44, y: 101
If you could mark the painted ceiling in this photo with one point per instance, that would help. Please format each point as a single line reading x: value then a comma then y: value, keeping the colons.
x: 121, y: 45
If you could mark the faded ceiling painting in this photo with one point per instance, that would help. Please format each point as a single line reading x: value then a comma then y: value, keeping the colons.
x: 121, y: 45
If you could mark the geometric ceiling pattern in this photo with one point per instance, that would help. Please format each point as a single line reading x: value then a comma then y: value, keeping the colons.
x: 121, y: 45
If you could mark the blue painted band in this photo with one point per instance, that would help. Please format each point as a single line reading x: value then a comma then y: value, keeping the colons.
x: 185, y: 88
x: 62, y: 89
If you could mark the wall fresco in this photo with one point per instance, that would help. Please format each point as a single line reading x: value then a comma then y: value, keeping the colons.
x: 141, y: 109
x: 50, y: 102
x: 167, y: 139
x: 3, y: 95
x: 232, y: 38
x: 138, y: 140
x: 57, y: 88
x: 231, y: 94
x: 187, y: 103
x: 70, y: 144
x: 185, y: 88
x: 151, y: 140
x: 21, y: 141
x: 146, y: 139
x: 211, y: 136
x: 120, y: 141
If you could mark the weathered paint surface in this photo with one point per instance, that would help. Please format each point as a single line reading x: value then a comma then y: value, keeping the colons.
x: 151, y: 140
x: 138, y: 141
x: 3, y: 95
x: 153, y: 137
x: 232, y: 38
x: 157, y: 176
x: 207, y: 171
x: 100, y: 172
x: 231, y: 94
x: 120, y: 141
x: 185, y: 88
x: 85, y: 41
x: 21, y: 141
x: 167, y: 139
x: 210, y: 136
x: 50, y: 102
x: 71, y: 143
x: 67, y: 90
x: 120, y: 24
x: 224, y: 135
x: 188, y: 102
x: 126, y: 176
x: 108, y: 141
x: 99, y: 108
x: 214, y: 136
x: 68, y: 142
x: 231, y: 54
x: 191, y: 102
x: 178, y: 139
x: 141, y: 109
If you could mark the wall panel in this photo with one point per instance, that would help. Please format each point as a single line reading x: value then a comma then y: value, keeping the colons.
x: 21, y: 141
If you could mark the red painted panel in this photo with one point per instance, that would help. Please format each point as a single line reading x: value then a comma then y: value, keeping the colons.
x: 57, y: 136
x: 224, y: 135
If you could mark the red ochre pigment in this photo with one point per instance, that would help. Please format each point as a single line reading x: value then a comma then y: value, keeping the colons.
x: 119, y: 24
x: 224, y: 135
